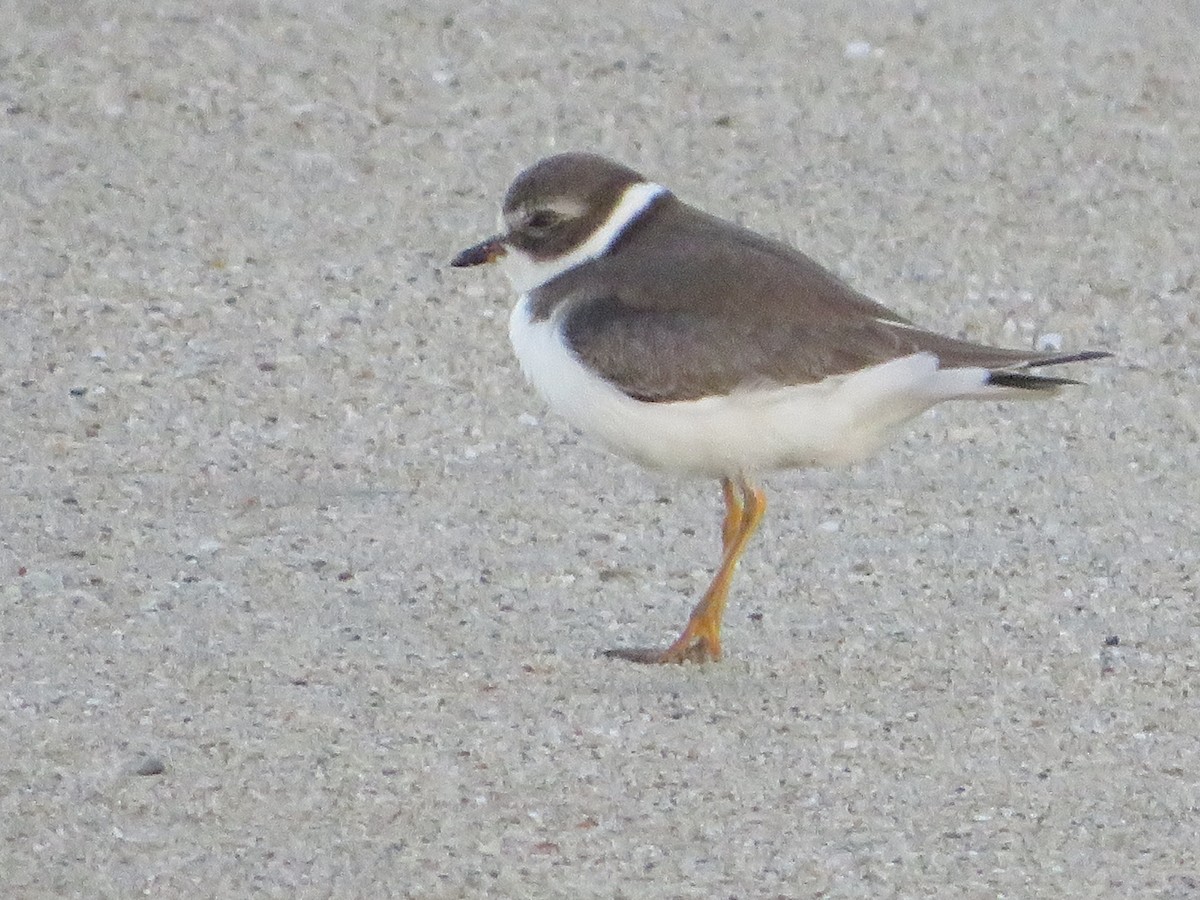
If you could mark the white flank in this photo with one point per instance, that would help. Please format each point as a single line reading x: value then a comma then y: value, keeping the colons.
x: 527, y: 273
x: 833, y: 422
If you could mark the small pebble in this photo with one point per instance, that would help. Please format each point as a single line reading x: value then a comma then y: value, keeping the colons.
x: 150, y: 765
x: 858, y: 50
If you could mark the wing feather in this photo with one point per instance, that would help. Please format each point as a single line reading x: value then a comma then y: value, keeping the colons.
x: 689, y: 306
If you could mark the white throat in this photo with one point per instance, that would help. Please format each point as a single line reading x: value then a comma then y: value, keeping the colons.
x: 527, y: 273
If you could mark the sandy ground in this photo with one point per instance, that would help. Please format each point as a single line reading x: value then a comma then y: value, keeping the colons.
x: 302, y: 588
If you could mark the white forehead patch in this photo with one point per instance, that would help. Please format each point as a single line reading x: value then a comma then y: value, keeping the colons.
x: 527, y: 273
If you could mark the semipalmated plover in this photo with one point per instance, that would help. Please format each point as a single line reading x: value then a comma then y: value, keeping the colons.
x: 690, y: 344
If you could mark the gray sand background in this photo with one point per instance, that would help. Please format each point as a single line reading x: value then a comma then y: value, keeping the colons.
x: 280, y: 522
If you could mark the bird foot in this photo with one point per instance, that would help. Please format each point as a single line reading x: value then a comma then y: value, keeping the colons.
x: 698, y: 650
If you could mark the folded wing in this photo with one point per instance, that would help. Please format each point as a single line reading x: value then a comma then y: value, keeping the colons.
x: 716, y: 309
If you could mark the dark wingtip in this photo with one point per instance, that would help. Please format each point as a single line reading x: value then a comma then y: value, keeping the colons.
x: 1027, y: 382
x: 1081, y: 356
x: 483, y: 252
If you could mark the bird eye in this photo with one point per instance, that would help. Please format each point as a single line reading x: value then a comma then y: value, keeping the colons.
x: 542, y: 219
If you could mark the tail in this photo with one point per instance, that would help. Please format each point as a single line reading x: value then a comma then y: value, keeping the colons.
x: 1022, y: 380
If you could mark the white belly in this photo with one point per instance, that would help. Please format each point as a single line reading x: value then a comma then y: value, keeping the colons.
x: 836, y: 421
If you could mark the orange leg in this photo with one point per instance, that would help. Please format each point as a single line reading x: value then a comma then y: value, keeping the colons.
x: 700, y: 640
x: 701, y: 637
x: 734, y: 510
